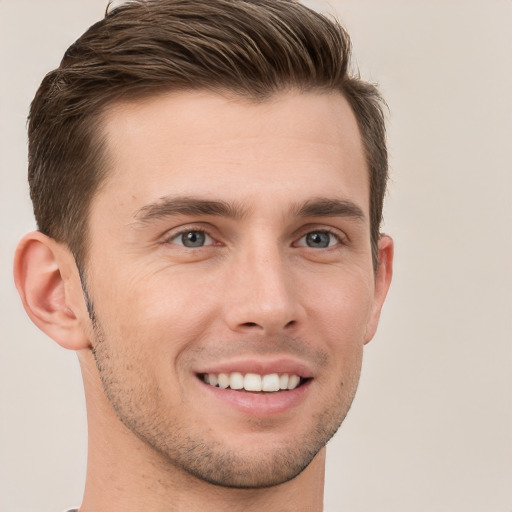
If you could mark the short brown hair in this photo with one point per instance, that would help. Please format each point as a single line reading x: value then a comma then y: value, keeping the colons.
x: 253, y: 48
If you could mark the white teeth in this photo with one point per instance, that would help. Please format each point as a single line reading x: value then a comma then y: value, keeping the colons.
x: 270, y: 382
x: 252, y: 381
x: 236, y: 381
x: 223, y: 380
x: 293, y: 381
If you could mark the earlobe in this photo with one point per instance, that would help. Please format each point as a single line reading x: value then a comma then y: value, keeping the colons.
x: 43, y: 273
x: 382, y: 283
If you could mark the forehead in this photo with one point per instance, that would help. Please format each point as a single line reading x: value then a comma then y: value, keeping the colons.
x: 291, y: 146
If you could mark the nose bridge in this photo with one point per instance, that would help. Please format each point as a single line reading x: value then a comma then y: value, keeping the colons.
x: 262, y: 294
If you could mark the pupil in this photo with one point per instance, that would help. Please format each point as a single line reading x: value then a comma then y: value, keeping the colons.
x: 318, y: 239
x: 193, y: 239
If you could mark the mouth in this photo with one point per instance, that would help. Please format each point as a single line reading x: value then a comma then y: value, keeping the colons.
x: 254, y: 382
x: 257, y: 387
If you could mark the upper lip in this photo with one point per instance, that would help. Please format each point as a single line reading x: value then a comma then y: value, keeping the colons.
x: 260, y: 366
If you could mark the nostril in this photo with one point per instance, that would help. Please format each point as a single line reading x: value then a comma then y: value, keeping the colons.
x: 291, y: 323
x: 250, y: 324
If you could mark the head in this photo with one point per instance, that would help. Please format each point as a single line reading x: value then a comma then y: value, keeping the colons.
x: 217, y: 176
x: 254, y: 49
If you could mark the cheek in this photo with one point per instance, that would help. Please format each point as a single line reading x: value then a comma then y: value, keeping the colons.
x: 155, y: 317
x: 345, y: 298
x: 340, y: 314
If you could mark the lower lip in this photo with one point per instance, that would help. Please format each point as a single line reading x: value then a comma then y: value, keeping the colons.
x: 260, y: 404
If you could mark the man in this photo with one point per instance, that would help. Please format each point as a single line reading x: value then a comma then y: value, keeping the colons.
x: 208, y: 182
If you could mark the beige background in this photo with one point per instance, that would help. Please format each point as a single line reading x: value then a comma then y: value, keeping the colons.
x: 430, y: 430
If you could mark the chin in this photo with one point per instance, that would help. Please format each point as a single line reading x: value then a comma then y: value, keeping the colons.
x: 251, y: 461
x: 234, y: 470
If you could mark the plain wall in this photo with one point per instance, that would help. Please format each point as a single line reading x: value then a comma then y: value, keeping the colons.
x: 431, y: 427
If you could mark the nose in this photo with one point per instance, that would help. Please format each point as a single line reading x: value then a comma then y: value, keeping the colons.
x: 261, y: 294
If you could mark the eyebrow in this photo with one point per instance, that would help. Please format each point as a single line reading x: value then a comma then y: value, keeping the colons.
x: 327, y: 207
x: 170, y: 206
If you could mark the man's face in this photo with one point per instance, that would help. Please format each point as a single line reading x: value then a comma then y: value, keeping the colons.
x: 231, y: 243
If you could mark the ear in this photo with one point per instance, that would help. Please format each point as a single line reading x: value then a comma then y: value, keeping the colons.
x: 382, y: 282
x: 47, y: 280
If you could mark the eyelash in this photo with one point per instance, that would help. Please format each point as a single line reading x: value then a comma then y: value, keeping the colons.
x: 190, y: 229
x: 340, y: 238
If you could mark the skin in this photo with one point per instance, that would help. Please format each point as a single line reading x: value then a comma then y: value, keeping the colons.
x: 260, y: 291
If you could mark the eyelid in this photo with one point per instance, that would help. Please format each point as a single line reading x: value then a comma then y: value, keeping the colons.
x: 330, y: 246
x: 172, y: 234
x: 338, y: 233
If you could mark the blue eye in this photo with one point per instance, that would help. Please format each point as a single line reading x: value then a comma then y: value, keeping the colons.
x: 192, y: 239
x: 319, y: 240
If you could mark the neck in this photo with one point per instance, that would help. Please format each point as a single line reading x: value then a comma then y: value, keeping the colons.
x: 124, y: 474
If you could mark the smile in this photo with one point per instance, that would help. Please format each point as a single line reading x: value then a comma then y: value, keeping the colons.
x: 253, y: 382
